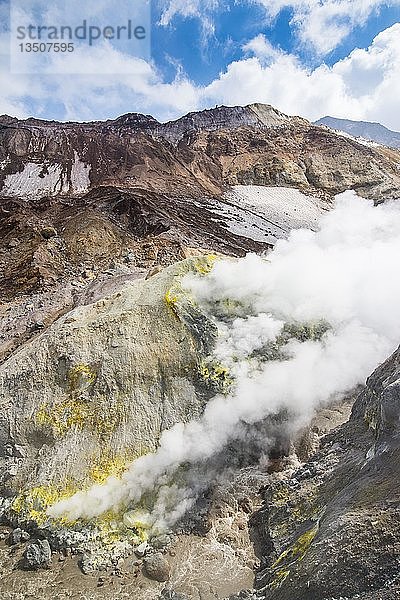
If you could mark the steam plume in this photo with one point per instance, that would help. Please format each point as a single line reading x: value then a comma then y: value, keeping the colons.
x: 341, y: 279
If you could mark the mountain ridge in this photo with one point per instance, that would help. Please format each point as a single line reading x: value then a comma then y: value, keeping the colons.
x: 368, y: 130
x: 72, y: 158
x: 256, y: 107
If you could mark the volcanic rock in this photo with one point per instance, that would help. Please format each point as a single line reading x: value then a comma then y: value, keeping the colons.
x: 171, y: 595
x: 330, y: 530
x: 17, y: 536
x: 37, y: 555
x: 96, y: 389
x: 157, y: 567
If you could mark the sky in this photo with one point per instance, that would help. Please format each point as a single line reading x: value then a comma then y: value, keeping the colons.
x: 306, y: 57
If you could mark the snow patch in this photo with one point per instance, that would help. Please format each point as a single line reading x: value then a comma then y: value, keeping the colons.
x: 80, y: 181
x: 47, y: 179
x: 358, y: 139
x: 34, y: 179
x: 265, y: 214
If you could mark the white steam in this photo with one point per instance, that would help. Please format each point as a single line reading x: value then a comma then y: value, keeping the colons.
x: 343, y: 275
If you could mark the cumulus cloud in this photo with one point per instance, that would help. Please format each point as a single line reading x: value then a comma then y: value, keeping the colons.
x: 260, y: 46
x: 324, y: 24
x: 362, y: 86
x: 77, y: 86
x: 320, y: 24
x: 338, y: 280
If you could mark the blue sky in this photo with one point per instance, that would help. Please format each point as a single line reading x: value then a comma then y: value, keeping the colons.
x: 307, y: 57
x: 182, y: 39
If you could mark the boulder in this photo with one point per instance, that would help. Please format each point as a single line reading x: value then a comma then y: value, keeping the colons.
x: 157, y: 567
x: 17, y: 536
x: 37, y: 555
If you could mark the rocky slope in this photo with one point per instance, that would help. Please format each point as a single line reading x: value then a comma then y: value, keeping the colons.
x: 77, y: 197
x: 79, y: 393
x: 78, y: 403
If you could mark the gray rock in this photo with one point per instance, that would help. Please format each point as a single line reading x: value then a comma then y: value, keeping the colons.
x: 85, y: 564
x: 71, y: 364
x: 37, y: 555
x: 17, y: 536
x: 160, y: 542
x: 335, y: 534
x: 171, y: 595
x: 157, y: 567
x: 140, y: 551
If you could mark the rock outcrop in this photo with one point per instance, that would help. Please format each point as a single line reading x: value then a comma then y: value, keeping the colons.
x: 96, y: 390
x: 331, y: 529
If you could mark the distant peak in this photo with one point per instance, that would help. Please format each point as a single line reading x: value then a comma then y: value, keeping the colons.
x: 135, y: 119
x: 366, y: 130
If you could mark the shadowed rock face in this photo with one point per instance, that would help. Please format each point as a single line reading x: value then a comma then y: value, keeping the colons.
x: 331, y: 530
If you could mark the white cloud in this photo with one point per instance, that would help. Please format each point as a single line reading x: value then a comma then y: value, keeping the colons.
x: 365, y: 85
x: 324, y: 24
x: 203, y: 10
x: 187, y: 8
x: 135, y: 86
x: 321, y: 24
x: 262, y: 47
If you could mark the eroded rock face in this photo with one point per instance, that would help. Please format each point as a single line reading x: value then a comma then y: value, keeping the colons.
x: 194, y: 156
x: 95, y: 391
x: 331, y: 530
